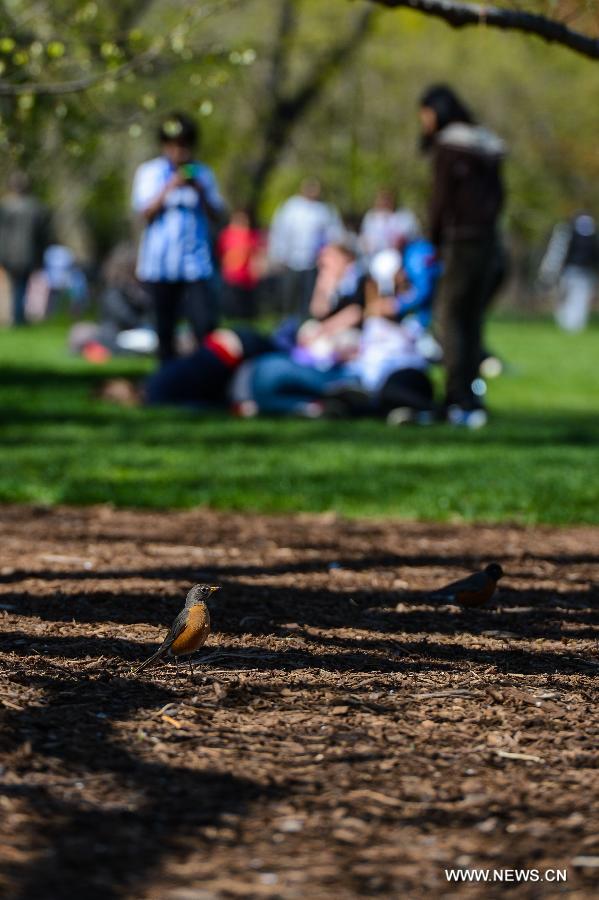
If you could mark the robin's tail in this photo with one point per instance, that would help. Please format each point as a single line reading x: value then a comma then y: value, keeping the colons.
x: 442, y: 597
x: 148, y: 662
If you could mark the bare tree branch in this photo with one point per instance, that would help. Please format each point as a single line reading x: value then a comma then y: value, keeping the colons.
x: 460, y: 15
x: 77, y: 85
x: 326, y: 66
x: 286, y: 26
x: 285, y: 109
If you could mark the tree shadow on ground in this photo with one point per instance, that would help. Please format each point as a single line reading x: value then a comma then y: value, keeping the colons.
x: 359, y: 563
x: 150, y: 810
x: 267, y: 609
x: 337, y: 654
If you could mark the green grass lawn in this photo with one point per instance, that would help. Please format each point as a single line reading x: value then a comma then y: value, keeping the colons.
x: 537, y: 461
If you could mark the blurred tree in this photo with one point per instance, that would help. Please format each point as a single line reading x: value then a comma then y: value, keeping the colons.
x: 282, y: 101
x: 74, y: 72
x: 283, y: 89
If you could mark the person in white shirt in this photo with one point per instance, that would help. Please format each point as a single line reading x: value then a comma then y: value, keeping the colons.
x: 301, y: 227
x: 176, y: 196
x: 571, y: 264
x: 385, y: 227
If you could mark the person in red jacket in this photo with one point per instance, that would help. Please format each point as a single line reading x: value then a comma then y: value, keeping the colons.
x: 240, y: 251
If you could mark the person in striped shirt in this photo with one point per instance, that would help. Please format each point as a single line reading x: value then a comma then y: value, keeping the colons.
x: 178, y: 199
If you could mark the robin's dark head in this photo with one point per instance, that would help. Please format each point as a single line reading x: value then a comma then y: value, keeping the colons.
x: 494, y: 571
x: 200, y: 594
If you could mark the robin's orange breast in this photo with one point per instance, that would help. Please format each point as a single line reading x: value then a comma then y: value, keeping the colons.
x: 476, y: 597
x: 197, y: 629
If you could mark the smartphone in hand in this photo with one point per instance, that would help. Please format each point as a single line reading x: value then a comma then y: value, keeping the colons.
x: 187, y: 172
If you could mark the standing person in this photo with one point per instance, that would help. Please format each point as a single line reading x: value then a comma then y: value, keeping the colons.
x: 177, y: 198
x: 240, y: 249
x: 572, y: 262
x: 24, y: 235
x: 301, y: 227
x: 387, y: 227
x: 467, y: 198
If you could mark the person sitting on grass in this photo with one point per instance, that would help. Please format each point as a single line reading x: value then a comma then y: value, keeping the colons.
x: 305, y: 377
x: 391, y: 365
x: 383, y: 372
x: 126, y: 323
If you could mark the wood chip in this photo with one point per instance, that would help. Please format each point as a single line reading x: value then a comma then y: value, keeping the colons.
x: 527, y: 757
x: 450, y: 693
x: 174, y: 722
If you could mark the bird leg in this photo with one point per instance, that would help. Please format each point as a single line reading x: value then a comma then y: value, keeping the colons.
x: 191, y: 669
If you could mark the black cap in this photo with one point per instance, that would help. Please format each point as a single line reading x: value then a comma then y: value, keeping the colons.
x: 178, y: 128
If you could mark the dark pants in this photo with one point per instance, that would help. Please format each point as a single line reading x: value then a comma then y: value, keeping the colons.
x: 468, y: 270
x: 406, y: 387
x: 195, y: 300
x: 239, y: 302
x: 18, y: 288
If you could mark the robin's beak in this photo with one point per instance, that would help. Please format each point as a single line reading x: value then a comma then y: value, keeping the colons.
x: 214, y: 588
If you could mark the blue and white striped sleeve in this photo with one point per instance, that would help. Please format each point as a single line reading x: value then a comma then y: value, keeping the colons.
x: 207, y: 179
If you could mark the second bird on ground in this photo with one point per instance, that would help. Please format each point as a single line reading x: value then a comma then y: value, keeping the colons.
x: 474, y: 590
x: 189, y: 630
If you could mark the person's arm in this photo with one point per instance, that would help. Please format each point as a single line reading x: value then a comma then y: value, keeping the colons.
x: 148, y: 197
x: 320, y: 302
x: 277, y: 238
x: 364, y: 236
x: 422, y: 271
x: 334, y: 228
x: 555, y: 255
x: 441, y: 192
x: 210, y: 197
x: 348, y: 317
x: 258, y: 259
x: 155, y: 207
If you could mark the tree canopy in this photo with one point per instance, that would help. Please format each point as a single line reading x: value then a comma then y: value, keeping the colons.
x: 284, y: 89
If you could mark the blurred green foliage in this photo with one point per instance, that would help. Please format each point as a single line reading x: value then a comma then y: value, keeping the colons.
x: 214, y: 59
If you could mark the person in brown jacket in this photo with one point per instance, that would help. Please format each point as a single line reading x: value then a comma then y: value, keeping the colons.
x: 467, y: 198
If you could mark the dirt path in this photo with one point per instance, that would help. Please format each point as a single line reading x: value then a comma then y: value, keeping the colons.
x: 345, y: 737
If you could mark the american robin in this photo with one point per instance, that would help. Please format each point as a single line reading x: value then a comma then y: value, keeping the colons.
x: 189, y: 630
x: 475, y: 590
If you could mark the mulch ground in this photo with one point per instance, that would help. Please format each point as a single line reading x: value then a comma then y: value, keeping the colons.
x: 343, y: 736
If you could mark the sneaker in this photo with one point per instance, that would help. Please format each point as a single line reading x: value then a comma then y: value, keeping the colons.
x: 405, y: 415
x: 247, y: 409
x: 467, y: 418
x: 312, y: 410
